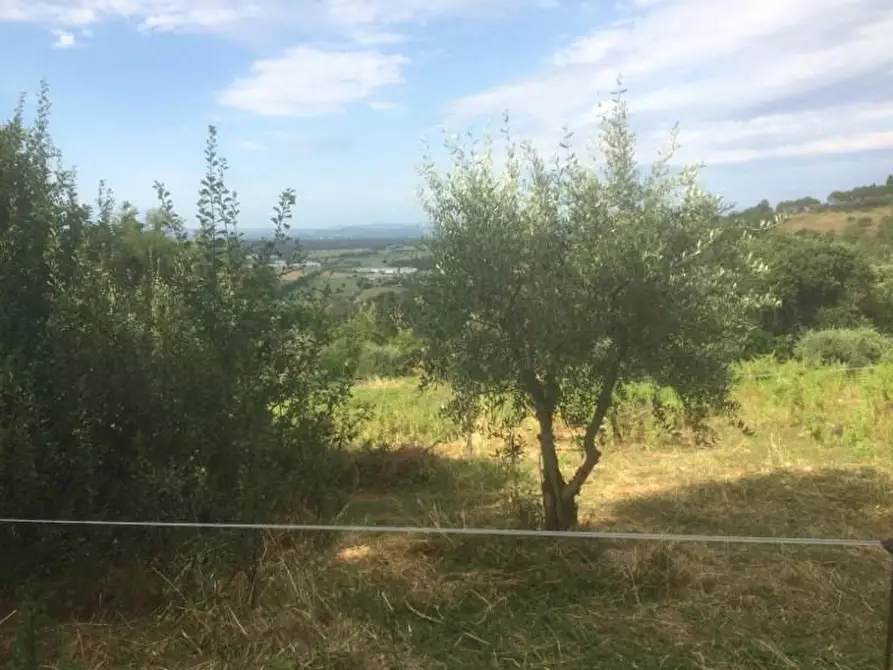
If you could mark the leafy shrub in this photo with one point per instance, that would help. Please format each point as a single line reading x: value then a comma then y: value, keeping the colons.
x: 146, y: 374
x: 880, y: 302
x: 851, y: 347
x: 368, y: 345
x: 381, y: 360
x: 819, y: 283
x: 760, y: 342
x: 396, y: 358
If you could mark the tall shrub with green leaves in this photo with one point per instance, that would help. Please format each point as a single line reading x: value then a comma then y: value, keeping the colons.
x: 819, y: 283
x: 146, y: 373
x: 853, y: 347
x: 554, y: 284
x: 880, y: 301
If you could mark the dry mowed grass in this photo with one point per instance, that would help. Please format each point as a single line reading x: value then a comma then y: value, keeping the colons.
x: 818, y: 463
x: 292, y: 275
x: 835, y: 222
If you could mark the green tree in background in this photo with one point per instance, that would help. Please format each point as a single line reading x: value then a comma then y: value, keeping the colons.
x: 879, y: 305
x: 554, y: 284
x: 819, y: 283
x: 760, y: 212
x: 786, y: 205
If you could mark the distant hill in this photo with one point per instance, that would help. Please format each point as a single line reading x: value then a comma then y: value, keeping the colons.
x: 864, y: 198
x: 868, y: 219
x: 861, y: 209
x: 371, y: 231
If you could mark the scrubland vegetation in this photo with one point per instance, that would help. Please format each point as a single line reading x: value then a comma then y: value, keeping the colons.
x: 601, y: 347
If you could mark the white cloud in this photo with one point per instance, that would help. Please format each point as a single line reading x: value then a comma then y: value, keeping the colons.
x: 152, y: 14
x: 367, y: 20
x: 306, y: 80
x: 210, y: 16
x: 867, y: 126
x: 717, y: 67
x: 393, y: 12
x: 311, y: 82
x: 64, y: 40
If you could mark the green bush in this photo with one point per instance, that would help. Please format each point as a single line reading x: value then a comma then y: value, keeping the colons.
x: 146, y: 374
x: 395, y: 358
x: 851, y: 347
x: 381, y: 360
x: 370, y: 344
x: 880, y: 303
x: 819, y: 283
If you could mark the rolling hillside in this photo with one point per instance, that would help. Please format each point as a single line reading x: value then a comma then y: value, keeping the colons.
x: 838, y: 221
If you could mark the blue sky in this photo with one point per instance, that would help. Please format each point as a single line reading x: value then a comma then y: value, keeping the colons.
x: 779, y: 98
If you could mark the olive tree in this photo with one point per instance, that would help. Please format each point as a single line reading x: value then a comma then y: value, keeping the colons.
x: 555, y: 283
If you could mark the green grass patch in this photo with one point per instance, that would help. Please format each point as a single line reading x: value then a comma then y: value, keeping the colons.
x: 399, y: 412
x: 817, y: 461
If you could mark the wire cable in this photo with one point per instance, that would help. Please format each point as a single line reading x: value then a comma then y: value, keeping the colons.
x: 434, y: 530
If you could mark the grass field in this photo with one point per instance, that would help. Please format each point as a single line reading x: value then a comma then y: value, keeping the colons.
x: 817, y: 460
x: 347, y: 259
x: 836, y: 222
x: 340, y: 269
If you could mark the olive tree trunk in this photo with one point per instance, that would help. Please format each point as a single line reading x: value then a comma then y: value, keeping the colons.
x: 559, y: 511
x: 560, y: 496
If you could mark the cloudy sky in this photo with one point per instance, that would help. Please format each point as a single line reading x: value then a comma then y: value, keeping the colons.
x: 780, y: 98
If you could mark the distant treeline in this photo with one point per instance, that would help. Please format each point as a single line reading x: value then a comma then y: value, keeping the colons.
x: 873, y: 195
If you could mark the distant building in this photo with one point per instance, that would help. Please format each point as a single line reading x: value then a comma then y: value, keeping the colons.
x: 384, y: 272
x: 280, y: 264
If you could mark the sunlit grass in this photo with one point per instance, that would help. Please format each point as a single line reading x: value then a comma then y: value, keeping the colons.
x: 399, y: 412
x: 818, y: 462
x: 836, y: 222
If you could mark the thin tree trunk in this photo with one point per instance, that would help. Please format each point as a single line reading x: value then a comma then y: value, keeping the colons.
x: 560, y: 512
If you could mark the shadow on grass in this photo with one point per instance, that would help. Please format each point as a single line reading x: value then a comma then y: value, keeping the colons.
x: 504, y: 602
x: 383, y: 485
x: 398, y: 601
x: 846, y: 503
x: 413, y: 485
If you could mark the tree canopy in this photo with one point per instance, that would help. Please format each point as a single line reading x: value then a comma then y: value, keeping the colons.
x: 555, y: 283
